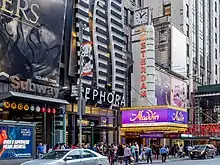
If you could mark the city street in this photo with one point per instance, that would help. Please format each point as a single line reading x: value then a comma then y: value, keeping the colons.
x: 189, y: 162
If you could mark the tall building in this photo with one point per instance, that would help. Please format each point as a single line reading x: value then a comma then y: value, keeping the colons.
x: 199, y: 20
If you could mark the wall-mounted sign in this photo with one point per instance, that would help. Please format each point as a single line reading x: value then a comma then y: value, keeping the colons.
x: 102, y: 96
x: 143, y: 74
x: 29, y: 86
x: 144, y: 117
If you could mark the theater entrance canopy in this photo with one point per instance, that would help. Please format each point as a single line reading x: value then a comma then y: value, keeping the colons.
x: 154, y: 119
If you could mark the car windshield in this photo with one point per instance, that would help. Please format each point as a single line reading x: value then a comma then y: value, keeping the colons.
x: 202, y: 147
x: 54, y: 155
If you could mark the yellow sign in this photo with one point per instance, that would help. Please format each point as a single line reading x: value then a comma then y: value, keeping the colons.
x: 20, y: 106
x: 26, y: 107
x: 13, y: 106
x: 6, y: 104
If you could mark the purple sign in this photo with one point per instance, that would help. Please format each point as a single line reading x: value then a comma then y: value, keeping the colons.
x: 152, y: 135
x: 159, y: 115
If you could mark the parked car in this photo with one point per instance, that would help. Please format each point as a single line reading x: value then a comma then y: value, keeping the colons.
x: 203, y: 151
x: 70, y: 157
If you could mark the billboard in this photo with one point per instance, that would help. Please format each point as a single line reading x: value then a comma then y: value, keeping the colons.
x: 162, y: 88
x: 178, y: 93
x: 31, y: 36
x: 16, y: 142
x: 153, y: 116
x: 178, y: 51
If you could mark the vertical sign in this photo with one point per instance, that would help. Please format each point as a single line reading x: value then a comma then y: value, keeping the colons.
x: 143, y: 74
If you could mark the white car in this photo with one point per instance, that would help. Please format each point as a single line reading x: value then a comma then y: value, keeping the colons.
x: 70, y: 157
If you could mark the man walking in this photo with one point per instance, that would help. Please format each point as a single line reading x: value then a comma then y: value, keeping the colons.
x: 163, y: 152
x: 148, y: 153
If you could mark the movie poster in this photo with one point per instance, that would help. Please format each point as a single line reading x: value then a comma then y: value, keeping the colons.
x: 31, y: 36
x: 162, y: 88
x: 16, y: 142
x: 178, y: 93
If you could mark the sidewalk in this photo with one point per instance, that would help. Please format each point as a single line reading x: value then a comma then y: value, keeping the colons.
x: 168, y: 160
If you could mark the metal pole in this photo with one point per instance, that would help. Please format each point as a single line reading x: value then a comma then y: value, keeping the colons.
x: 80, y: 85
x: 54, y: 130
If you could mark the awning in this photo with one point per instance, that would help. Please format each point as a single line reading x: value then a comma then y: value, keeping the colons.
x: 33, y: 98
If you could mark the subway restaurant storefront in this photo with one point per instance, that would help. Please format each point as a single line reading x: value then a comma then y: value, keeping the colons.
x: 153, y: 125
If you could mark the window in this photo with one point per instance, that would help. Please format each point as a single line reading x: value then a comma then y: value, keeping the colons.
x: 216, y: 54
x: 167, y: 10
x: 215, y: 6
x: 216, y: 69
x: 187, y: 30
x: 139, y: 3
x: 125, y: 16
x: 131, y: 17
x: 187, y: 10
x: 216, y: 38
x: 75, y: 154
x: 216, y: 82
x: 215, y: 22
x: 88, y: 154
x: 187, y: 50
x: 126, y: 43
x: 187, y: 70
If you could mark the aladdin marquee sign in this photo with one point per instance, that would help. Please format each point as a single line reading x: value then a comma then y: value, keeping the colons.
x: 147, y: 117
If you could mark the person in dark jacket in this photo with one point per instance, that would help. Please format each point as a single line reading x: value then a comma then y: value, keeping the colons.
x: 120, y: 154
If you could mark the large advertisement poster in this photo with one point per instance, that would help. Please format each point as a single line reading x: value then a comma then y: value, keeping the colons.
x: 16, y: 142
x: 162, y: 88
x: 178, y: 93
x: 31, y: 36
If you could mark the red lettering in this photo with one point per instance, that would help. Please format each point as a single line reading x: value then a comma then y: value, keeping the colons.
x: 143, y: 86
x: 143, y: 45
x: 143, y: 61
x: 143, y: 94
x: 143, y: 53
x: 143, y: 78
x: 143, y: 69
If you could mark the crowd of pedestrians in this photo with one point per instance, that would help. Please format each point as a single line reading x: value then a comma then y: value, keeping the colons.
x: 129, y: 153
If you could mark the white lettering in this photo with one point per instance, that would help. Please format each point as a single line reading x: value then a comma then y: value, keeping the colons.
x: 87, y: 93
x: 110, y: 98
x: 95, y: 94
x: 102, y: 95
x: 117, y: 99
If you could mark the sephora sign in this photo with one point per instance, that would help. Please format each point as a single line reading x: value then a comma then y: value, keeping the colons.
x: 102, y: 96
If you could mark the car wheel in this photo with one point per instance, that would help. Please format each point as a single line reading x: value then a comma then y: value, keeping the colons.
x: 213, y: 155
x: 192, y: 157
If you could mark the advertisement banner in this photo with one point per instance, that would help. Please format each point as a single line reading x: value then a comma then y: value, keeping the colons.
x: 16, y: 142
x: 148, y: 116
x: 31, y: 36
x: 178, y: 93
x: 162, y: 88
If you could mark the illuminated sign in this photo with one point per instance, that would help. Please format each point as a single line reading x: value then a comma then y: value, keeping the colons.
x: 16, y: 83
x: 145, y: 117
x: 143, y: 74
